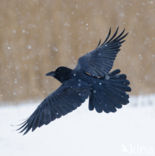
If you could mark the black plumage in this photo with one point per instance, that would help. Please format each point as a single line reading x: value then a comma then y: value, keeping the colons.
x: 90, y: 78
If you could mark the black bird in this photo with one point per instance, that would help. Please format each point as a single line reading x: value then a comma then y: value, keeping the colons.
x: 90, y: 78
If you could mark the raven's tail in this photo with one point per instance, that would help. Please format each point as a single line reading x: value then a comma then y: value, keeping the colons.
x: 110, y: 93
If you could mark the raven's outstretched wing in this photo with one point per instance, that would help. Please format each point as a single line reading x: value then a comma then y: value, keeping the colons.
x: 100, y: 61
x: 65, y: 99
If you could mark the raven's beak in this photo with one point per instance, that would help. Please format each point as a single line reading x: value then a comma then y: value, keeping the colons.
x: 50, y: 74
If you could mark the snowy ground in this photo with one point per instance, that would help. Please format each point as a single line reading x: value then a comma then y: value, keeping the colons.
x: 129, y: 131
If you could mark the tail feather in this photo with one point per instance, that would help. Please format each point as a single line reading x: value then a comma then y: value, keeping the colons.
x: 111, y: 94
x: 113, y: 73
x: 91, y: 101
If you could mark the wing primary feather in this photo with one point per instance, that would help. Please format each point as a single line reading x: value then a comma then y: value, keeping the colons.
x: 28, y: 125
x: 114, y: 35
x: 99, y: 43
x: 34, y: 124
x: 122, y: 41
x: 24, y: 124
x: 24, y: 128
x: 40, y: 122
x: 27, y: 129
x: 107, y: 36
x: 119, y: 39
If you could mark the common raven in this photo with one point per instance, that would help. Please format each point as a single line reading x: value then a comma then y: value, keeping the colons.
x: 90, y: 78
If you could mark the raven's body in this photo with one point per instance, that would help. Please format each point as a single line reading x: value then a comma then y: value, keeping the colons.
x: 90, y: 78
x: 100, y: 87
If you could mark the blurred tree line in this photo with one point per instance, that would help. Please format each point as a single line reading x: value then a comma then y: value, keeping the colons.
x: 37, y: 36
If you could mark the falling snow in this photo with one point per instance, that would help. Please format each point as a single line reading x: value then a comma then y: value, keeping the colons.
x: 107, y: 77
x: 55, y: 49
x: 14, y: 31
x: 29, y: 47
x: 100, y: 83
x: 94, y: 91
x: 9, y: 47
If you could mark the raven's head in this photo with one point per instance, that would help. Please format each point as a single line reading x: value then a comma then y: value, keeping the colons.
x: 61, y: 73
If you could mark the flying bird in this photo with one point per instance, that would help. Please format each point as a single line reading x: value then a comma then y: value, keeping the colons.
x: 107, y: 91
